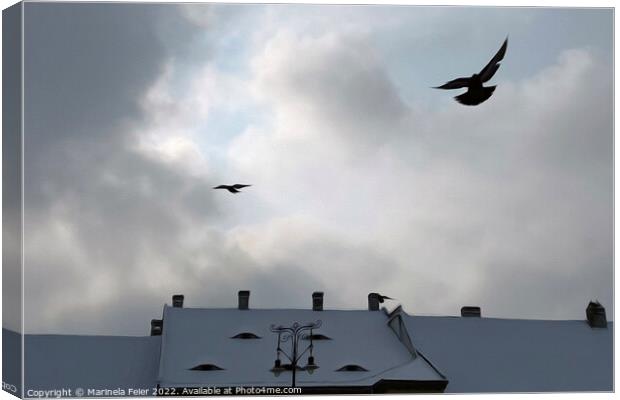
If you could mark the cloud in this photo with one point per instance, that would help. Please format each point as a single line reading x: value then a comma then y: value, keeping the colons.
x: 355, y: 189
x: 203, y: 15
x: 458, y: 198
x: 123, y: 215
x: 330, y: 86
x: 97, y: 206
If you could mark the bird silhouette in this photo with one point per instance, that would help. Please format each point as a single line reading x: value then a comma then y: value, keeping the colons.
x: 382, y: 298
x: 232, y: 188
x: 476, y: 92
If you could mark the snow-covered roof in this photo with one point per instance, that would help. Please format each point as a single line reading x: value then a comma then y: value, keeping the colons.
x: 204, y: 336
x: 516, y: 355
x: 472, y: 354
x: 96, y: 362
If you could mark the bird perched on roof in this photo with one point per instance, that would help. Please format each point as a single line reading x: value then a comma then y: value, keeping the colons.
x: 232, y: 188
x: 476, y: 92
x: 382, y: 298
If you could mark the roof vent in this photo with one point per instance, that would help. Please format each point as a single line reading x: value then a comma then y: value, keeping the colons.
x: 470, y: 311
x: 373, y: 302
x: 351, y: 368
x: 206, y: 367
x: 244, y: 299
x: 157, y: 326
x: 317, y: 301
x: 245, y: 335
x: 595, y: 313
x: 177, y: 300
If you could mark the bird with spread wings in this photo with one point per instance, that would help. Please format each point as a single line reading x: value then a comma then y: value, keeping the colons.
x: 232, y: 188
x: 476, y: 92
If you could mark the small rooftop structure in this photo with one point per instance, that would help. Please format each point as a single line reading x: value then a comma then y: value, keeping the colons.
x: 470, y: 311
x: 595, y: 314
x: 177, y: 300
x: 317, y: 301
x: 244, y: 299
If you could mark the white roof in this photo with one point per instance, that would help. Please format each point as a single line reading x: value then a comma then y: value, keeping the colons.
x: 97, y: 362
x: 516, y: 355
x: 474, y: 354
x: 203, y: 336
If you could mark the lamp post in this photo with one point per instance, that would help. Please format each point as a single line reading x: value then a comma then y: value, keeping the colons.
x: 294, y: 333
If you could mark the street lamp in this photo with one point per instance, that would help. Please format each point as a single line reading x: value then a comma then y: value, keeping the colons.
x: 294, y: 333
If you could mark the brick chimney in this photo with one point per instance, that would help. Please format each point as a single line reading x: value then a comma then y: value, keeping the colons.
x: 157, y: 326
x: 177, y: 300
x: 317, y: 301
x: 244, y: 299
x: 373, y: 302
x: 470, y: 311
x: 595, y: 313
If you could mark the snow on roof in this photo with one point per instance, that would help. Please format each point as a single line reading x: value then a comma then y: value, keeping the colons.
x: 204, y: 336
x: 97, y: 362
x: 512, y: 355
x: 474, y: 354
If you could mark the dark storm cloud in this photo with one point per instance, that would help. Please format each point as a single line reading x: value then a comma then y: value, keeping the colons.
x: 87, y: 65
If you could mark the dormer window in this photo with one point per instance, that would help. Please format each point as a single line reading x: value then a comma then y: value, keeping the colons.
x: 206, y: 367
x: 316, y: 336
x: 351, y: 368
x: 246, y: 335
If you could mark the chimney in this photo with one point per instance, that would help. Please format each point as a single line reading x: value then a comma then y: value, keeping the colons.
x: 595, y: 314
x: 177, y: 300
x: 317, y: 301
x: 157, y: 326
x: 373, y: 302
x: 470, y: 311
x: 244, y: 299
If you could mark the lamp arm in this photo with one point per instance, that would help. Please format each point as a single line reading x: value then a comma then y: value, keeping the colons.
x: 302, y: 353
x: 286, y: 355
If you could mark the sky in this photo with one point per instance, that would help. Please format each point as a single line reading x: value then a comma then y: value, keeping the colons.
x: 364, y: 178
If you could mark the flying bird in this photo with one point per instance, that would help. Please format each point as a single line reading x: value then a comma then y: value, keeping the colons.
x: 232, y: 188
x: 476, y: 92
